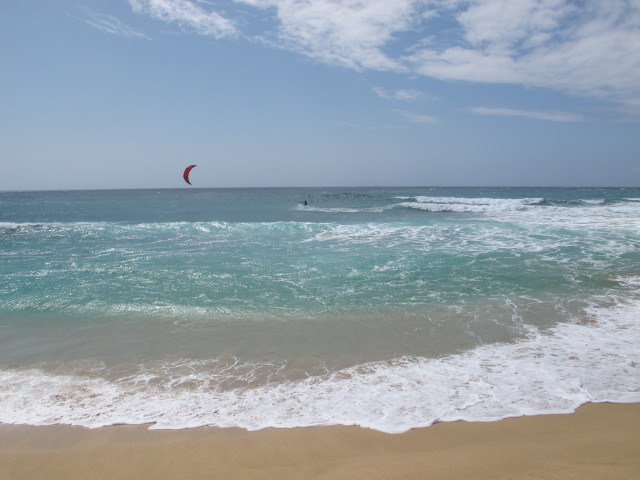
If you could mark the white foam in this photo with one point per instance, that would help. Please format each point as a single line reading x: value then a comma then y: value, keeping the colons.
x: 631, y: 281
x: 10, y: 225
x: 535, y: 234
x: 480, y: 201
x: 308, y: 208
x: 473, y: 205
x: 622, y: 216
x: 552, y: 371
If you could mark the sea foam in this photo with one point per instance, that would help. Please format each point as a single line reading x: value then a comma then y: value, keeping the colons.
x: 475, y: 205
x: 595, y: 359
x: 104, y: 269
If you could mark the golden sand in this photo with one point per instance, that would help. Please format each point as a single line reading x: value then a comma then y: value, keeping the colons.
x: 599, y: 441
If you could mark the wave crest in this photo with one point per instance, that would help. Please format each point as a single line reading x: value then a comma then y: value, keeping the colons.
x: 474, y: 205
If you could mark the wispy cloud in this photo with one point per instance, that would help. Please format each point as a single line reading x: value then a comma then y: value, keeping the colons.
x: 417, y: 117
x: 348, y: 33
x: 405, y: 95
x: 188, y: 15
x: 536, y: 115
x: 112, y: 25
x: 582, y: 47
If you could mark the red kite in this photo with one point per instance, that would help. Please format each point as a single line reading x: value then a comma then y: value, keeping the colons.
x: 185, y: 175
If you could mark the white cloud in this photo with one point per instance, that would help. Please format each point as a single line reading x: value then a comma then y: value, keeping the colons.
x: 349, y: 33
x: 590, y: 50
x: 536, y: 115
x: 582, y: 47
x: 186, y: 14
x: 501, y: 26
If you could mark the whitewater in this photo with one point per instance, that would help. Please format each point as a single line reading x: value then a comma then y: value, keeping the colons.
x: 388, y: 308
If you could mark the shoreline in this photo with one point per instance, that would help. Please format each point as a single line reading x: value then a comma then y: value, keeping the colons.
x: 599, y: 440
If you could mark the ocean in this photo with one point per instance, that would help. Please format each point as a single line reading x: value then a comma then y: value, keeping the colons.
x: 388, y: 308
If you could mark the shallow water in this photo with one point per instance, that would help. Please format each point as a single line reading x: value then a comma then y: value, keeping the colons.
x: 387, y: 308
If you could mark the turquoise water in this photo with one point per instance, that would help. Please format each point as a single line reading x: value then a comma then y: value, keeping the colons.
x: 245, y: 307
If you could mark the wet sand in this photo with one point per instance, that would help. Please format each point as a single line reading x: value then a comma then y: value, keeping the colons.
x: 599, y: 441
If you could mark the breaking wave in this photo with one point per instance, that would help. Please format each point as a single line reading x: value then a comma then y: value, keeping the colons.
x: 553, y: 371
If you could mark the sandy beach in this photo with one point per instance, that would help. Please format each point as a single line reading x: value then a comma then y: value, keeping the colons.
x: 598, y: 441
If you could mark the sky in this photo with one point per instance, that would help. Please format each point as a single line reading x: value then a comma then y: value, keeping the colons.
x: 114, y: 94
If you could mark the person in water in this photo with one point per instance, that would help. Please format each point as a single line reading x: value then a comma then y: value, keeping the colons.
x: 304, y: 204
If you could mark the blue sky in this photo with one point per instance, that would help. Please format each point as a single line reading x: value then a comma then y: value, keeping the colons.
x: 126, y: 93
